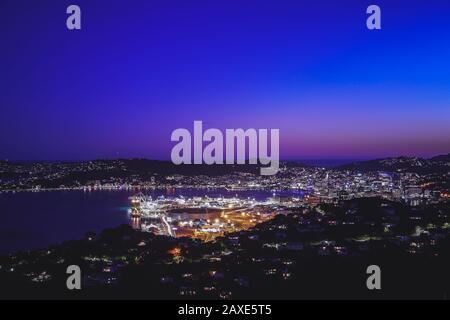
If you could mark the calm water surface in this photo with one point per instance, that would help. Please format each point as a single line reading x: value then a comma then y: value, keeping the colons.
x: 34, y: 220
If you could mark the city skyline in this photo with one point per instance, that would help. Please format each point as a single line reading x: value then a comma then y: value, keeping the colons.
x: 118, y: 87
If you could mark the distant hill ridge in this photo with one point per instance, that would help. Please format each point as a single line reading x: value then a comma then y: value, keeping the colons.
x: 437, y: 164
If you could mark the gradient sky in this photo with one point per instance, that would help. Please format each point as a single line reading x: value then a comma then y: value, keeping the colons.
x: 140, y: 69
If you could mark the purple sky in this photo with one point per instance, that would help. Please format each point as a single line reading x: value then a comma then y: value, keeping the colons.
x: 140, y: 69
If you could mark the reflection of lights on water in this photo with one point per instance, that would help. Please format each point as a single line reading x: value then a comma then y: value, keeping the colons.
x: 136, y: 223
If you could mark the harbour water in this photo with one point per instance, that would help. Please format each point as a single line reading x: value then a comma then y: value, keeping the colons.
x: 35, y: 220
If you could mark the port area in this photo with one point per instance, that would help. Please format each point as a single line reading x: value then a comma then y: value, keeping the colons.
x: 203, y: 218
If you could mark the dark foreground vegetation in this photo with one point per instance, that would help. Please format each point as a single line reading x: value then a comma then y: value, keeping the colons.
x: 308, y: 253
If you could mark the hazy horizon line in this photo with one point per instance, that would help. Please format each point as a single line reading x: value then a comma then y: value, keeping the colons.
x: 296, y: 159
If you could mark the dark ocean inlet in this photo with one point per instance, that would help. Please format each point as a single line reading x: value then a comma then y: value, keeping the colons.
x: 35, y: 220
